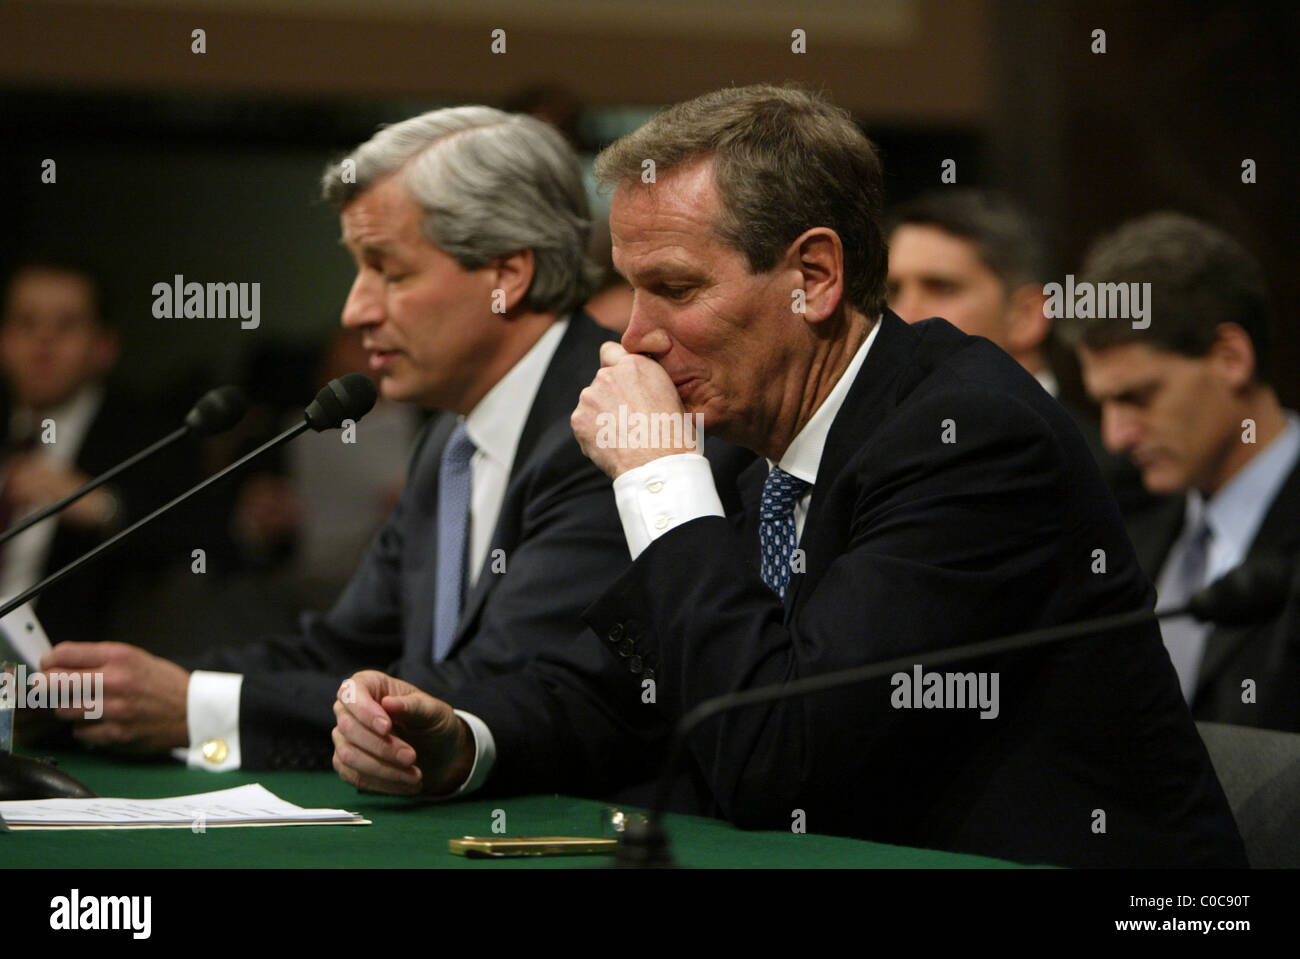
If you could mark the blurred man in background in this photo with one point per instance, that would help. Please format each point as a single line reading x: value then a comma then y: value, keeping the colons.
x: 1190, y: 400
x: 976, y: 259
x: 325, y: 504
x: 64, y: 424
x: 289, y: 532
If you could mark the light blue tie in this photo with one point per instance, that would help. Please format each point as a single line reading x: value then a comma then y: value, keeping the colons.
x: 1184, y: 574
x: 454, y: 484
x: 777, y: 535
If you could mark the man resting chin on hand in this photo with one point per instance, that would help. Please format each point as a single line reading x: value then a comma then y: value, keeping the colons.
x: 392, y: 738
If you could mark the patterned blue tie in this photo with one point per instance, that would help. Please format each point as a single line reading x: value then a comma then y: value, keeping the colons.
x: 776, y: 531
x: 453, y: 532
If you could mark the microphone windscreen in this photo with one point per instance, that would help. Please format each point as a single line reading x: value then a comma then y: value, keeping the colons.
x: 346, y: 398
x: 217, y: 411
x: 1254, y: 591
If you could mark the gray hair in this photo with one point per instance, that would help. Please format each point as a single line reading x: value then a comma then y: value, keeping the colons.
x: 490, y: 183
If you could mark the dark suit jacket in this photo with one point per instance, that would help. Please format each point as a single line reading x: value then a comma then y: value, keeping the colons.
x: 911, y: 545
x: 1267, y: 652
x: 562, y: 544
x: 81, y: 607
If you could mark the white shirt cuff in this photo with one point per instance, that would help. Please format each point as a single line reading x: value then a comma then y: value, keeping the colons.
x: 485, y: 755
x: 662, y: 495
x: 212, y: 717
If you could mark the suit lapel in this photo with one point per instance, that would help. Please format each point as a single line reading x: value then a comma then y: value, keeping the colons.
x: 101, y: 444
x: 750, y: 488
x: 1278, y: 533
x: 870, y: 399
x: 1280, y: 530
x: 572, y: 368
x: 574, y: 364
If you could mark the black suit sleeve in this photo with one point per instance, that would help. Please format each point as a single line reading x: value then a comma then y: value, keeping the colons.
x: 576, y: 721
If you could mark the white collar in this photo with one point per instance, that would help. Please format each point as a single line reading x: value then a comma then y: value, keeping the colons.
x: 1048, y: 381
x: 804, y: 454
x: 497, y: 421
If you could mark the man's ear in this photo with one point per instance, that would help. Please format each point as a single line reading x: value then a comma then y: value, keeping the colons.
x: 818, y: 257
x: 514, y: 275
x: 1027, y: 327
x: 1232, y: 355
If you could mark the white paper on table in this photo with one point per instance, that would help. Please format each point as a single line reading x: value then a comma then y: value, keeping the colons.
x: 22, y: 631
x: 251, y: 805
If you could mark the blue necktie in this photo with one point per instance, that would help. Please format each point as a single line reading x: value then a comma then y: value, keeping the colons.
x: 1184, y: 574
x: 777, y: 535
x: 453, y: 532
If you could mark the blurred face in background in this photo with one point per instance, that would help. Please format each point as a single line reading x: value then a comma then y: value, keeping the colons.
x: 934, y: 273
x: 1176, y: 417
x: 426, y: 322
x: 52, y: 342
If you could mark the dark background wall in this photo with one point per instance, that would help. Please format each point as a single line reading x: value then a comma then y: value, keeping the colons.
x: 206, y: 165
x: 1185, y: 92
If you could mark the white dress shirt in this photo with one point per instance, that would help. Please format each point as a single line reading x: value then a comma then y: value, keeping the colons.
x: 495, y: 425
x: 665, y: 493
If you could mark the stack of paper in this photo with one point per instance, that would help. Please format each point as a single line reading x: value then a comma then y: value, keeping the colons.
x: 251, y: 805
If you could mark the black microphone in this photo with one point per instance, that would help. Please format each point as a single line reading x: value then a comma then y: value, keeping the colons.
x: 348, y: 397
x: 217, y: 411
x: 1245, y: 594
x: 1251, y: 592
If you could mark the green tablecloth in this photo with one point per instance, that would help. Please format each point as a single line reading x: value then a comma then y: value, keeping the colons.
x: 404, y: 833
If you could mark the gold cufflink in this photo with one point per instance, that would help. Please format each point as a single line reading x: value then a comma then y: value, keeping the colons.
x: 215, y: 751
